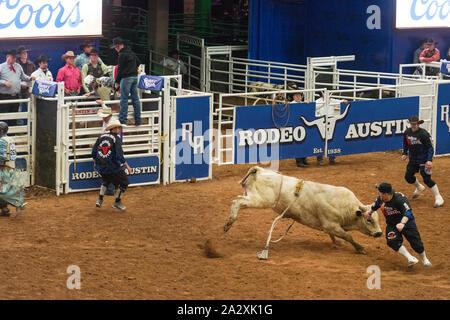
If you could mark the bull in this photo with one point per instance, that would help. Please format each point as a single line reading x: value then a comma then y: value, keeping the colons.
x: 334, y: 210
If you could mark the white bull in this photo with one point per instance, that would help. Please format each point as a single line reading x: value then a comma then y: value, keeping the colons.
x: 334, y: 210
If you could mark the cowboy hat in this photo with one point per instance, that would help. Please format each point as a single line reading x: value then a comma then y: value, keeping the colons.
x: 67, y: 55
x: 114, y: 124
x: 116, y: 41
x: 12, y: 52
x: 22, y: 49
x: 104, y: 112
x: 42, y: 58
x: 86, y: 43
x: 415, y: 119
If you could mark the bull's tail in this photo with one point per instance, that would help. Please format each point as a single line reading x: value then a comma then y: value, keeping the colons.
x: 251, y: 171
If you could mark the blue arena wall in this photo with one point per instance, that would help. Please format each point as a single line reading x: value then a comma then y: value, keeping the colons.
x: 290, y: 31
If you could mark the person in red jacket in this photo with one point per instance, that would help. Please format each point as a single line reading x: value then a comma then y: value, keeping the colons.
x: 430, y: 54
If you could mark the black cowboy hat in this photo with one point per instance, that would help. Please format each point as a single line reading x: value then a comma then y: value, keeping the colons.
x: 86, y: 43
x: 12, y: 52
x: 42, y: 58
x: 116, y: 41
x: 415, y: 119
x: 94, y: 52
x: 21, y: 49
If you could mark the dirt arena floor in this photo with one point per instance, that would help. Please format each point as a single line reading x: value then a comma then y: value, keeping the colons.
x: 155, y: 250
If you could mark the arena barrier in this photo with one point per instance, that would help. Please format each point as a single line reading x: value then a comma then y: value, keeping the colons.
x: 175, y: 124
x: 262, y: 133
x: 22, y: 129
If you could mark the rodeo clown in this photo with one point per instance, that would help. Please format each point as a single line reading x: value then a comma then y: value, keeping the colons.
x: 417, y: 142
x: 12, y: 181
x: 399, y: 222
x: 110, y: 163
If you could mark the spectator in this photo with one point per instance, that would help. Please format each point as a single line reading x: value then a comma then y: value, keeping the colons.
x: 321, y: 110
x: 94, y: 67
x: 11, y: 74
x: 298, y: 98
x: 174, y: 63
x: 127, y: 80
x: 28, y: 68
x: 70, y: 75
x: 83, y: 58
x: 416, y: 56
x: 42, y: 73
x: 430, y: 54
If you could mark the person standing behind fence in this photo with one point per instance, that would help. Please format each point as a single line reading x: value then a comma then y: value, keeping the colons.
x: 42, y: 73
x: 111, y: 164
x: 70, y: 75
x: 127, y: 80
x: 83, y: 58
x: 430, y: 54
x: 28, y: 68
x: 417, y: 143
x: 416, y: 56
x: 321, y: 110
x: 11, y: 74
x: 94, y: 67
x: 297, y: 97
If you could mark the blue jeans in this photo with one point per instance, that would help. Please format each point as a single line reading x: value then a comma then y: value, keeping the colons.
x: 128, y: 86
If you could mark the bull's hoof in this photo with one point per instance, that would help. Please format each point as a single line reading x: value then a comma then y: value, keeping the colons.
x: 263, y: 255
x: 361, y: 251
x: 227, y: 227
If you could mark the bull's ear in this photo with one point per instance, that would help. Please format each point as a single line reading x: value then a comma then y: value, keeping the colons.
x: 358, y: 213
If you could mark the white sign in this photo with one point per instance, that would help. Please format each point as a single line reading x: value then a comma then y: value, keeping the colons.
x: 50, y: 18
x: 423, y: 14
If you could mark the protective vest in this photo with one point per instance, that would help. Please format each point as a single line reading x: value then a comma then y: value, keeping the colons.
x: 97, y: 72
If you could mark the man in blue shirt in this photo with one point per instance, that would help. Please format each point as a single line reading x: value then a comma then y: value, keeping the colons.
x: 111, y: 164
x: 399, y: 222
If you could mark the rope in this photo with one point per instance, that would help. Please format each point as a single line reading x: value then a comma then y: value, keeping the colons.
x: 285, y: 111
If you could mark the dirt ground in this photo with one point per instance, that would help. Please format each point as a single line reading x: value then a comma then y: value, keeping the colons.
x: 155, y: 250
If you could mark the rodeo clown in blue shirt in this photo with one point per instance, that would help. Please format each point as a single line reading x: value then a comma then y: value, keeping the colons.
x: 417, y: 143
x: 399, y: 222
x: 110, y: 163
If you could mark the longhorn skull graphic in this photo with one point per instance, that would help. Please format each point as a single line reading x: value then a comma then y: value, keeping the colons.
x: 330, y: 125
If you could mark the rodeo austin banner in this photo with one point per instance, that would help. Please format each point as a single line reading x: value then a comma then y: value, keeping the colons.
x: 361, y: 127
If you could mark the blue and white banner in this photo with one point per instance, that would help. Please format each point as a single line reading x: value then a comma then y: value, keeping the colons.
x: 443, y: 120
x: 361, y: 127
x: 145, y: 171
x: 50, y: 18
x: 45, y: 88
x: 193, y: 138
x: 151, y: 83
x: 445, y: 67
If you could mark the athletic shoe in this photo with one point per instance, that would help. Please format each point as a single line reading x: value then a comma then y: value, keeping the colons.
x: 418, y: 191
x: 119, y: 205
x: 99, y: 202
x: 438, y: 202
x: 427, y: 263
x: 320, y: 162
x: 5, y: 212
x: 412, y: 262
x: 332, y: 161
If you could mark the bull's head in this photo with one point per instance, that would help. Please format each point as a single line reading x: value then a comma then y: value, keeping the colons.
x: 330, y: 125
x: 368, y: 225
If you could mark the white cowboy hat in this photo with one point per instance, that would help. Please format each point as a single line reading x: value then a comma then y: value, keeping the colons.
x: 114, y: 123
x: 104, y: 112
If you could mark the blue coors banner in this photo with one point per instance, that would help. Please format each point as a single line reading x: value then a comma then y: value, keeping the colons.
x: 45, y: 88
x: 145, y: 171
x: 361, y: 127
x: 193, y: 138
x: 443, y: 120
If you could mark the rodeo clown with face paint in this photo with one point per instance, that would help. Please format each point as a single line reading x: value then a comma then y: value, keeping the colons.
x: 12, y: 181
x: 417, y: 143
x: 400, y: 222
x: 110, y: 163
